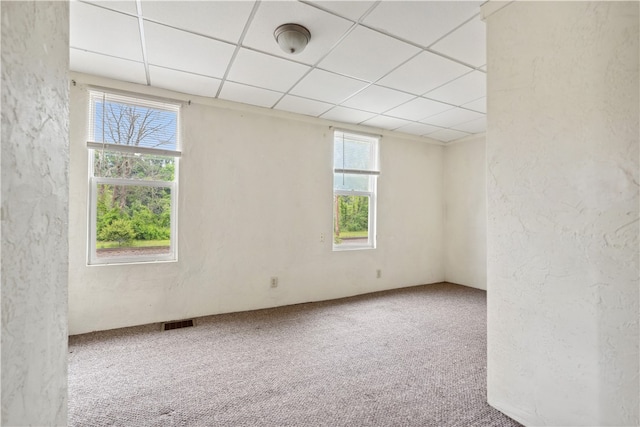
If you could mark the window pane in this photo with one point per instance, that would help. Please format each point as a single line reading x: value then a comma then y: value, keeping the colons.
x: 345, y: 181
x: 132, y: 220
x: 122, y: 122
x: 109, y: 164
x: 352, y: 153
x: 351, y: 220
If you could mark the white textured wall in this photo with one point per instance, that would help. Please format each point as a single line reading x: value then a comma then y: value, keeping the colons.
x: 255, y: 196
x: 35, y: 158
x: 465, y: 213
x: 562, y: 239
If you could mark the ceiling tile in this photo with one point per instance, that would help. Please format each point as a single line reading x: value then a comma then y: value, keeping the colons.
x: 423, y: 73
x: 421, y: 22
x: 171, y: 48
x: 452, y: 117
x: 190, y: 45
x: 462, y: 90
x: 328, y: 87
x: 221, y: 19
x: 385, y: 122
x: 446, y: 135
x: 349, y: 9
x: 418, y: 108
x: 249, y: 95
x: 104, y: 31
x: 299, y: 105
x: 479, y: 104
x: 122, y: 6
x: 417, y: 129
x: 325, y: 28
x: 368, y: 55
x: 474, y: 126
x: 347, y: 115
x: 265, y: 71
x: 183, y: 82
x: 466, y: 44
x: 107, y: 66
x: 377, y: 99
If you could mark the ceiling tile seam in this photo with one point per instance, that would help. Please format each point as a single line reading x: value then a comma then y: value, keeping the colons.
x: 392, y: 128
x: 397, y: 90
x: 143, y: 42
x: 402, y: 91
x: 338, y: 15
x: 122, y: 12
x: 253, y: 49
x: 454, y: 30
x: 452, y: 127
x: 350, y: 108
x: 325, y: 111
x: 336, y: 44
x: 422, y: 47
x: 315, y: 65
x: 424, y: 95
x: 413, y: 94
x: 422, y: 134
x: 360, y: 22
x: 183, y: 71
x: 247, y: 24
x: 195, y: 33
x: 253, y: 86
x: 384, y: 113
x: 407, y: 60
x: 453, y: 107
x: 373, y: 83
x: 440, y: 128
x: 451, y: 58
x: 447, y: 128
x: 474, y: 100
x: 105, y: 54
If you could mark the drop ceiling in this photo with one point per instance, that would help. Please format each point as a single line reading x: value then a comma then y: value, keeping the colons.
x: 416, y: 67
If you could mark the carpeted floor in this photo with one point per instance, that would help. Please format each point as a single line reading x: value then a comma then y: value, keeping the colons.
x: 408, y: 357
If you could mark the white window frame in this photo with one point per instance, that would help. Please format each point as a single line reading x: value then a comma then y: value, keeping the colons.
x: 95, y: 181
x: 371, y: 194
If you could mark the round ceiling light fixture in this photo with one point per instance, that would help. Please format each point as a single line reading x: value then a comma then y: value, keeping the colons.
x: 292, y: 38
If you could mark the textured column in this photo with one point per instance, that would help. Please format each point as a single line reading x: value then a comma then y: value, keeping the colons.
x: 562, y: 236
x: 34, y: 251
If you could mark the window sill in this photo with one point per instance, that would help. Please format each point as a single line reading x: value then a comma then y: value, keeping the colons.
x: 352, y: 248
x: 130, y: 262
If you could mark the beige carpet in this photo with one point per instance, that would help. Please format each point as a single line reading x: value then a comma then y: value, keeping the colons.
x: 409, y: 357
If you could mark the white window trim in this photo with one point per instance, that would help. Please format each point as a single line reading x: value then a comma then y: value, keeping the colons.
x: 132, y: 149
x: 373, y: 185
x: 172, y: 256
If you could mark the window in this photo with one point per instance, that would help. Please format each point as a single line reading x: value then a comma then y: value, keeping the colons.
x: 355, y: 171
x: 133, y: 156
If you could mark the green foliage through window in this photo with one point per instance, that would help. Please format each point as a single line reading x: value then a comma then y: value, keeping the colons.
x: 146, y: 211
x: 351, y: 217
x: 135, y: 159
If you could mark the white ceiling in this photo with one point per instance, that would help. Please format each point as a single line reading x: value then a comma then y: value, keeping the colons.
x: 412, y: 66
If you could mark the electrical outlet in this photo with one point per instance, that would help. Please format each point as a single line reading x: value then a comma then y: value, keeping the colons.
x: 378, y: 274
x: 321, y: 237
x: 274, y: 282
